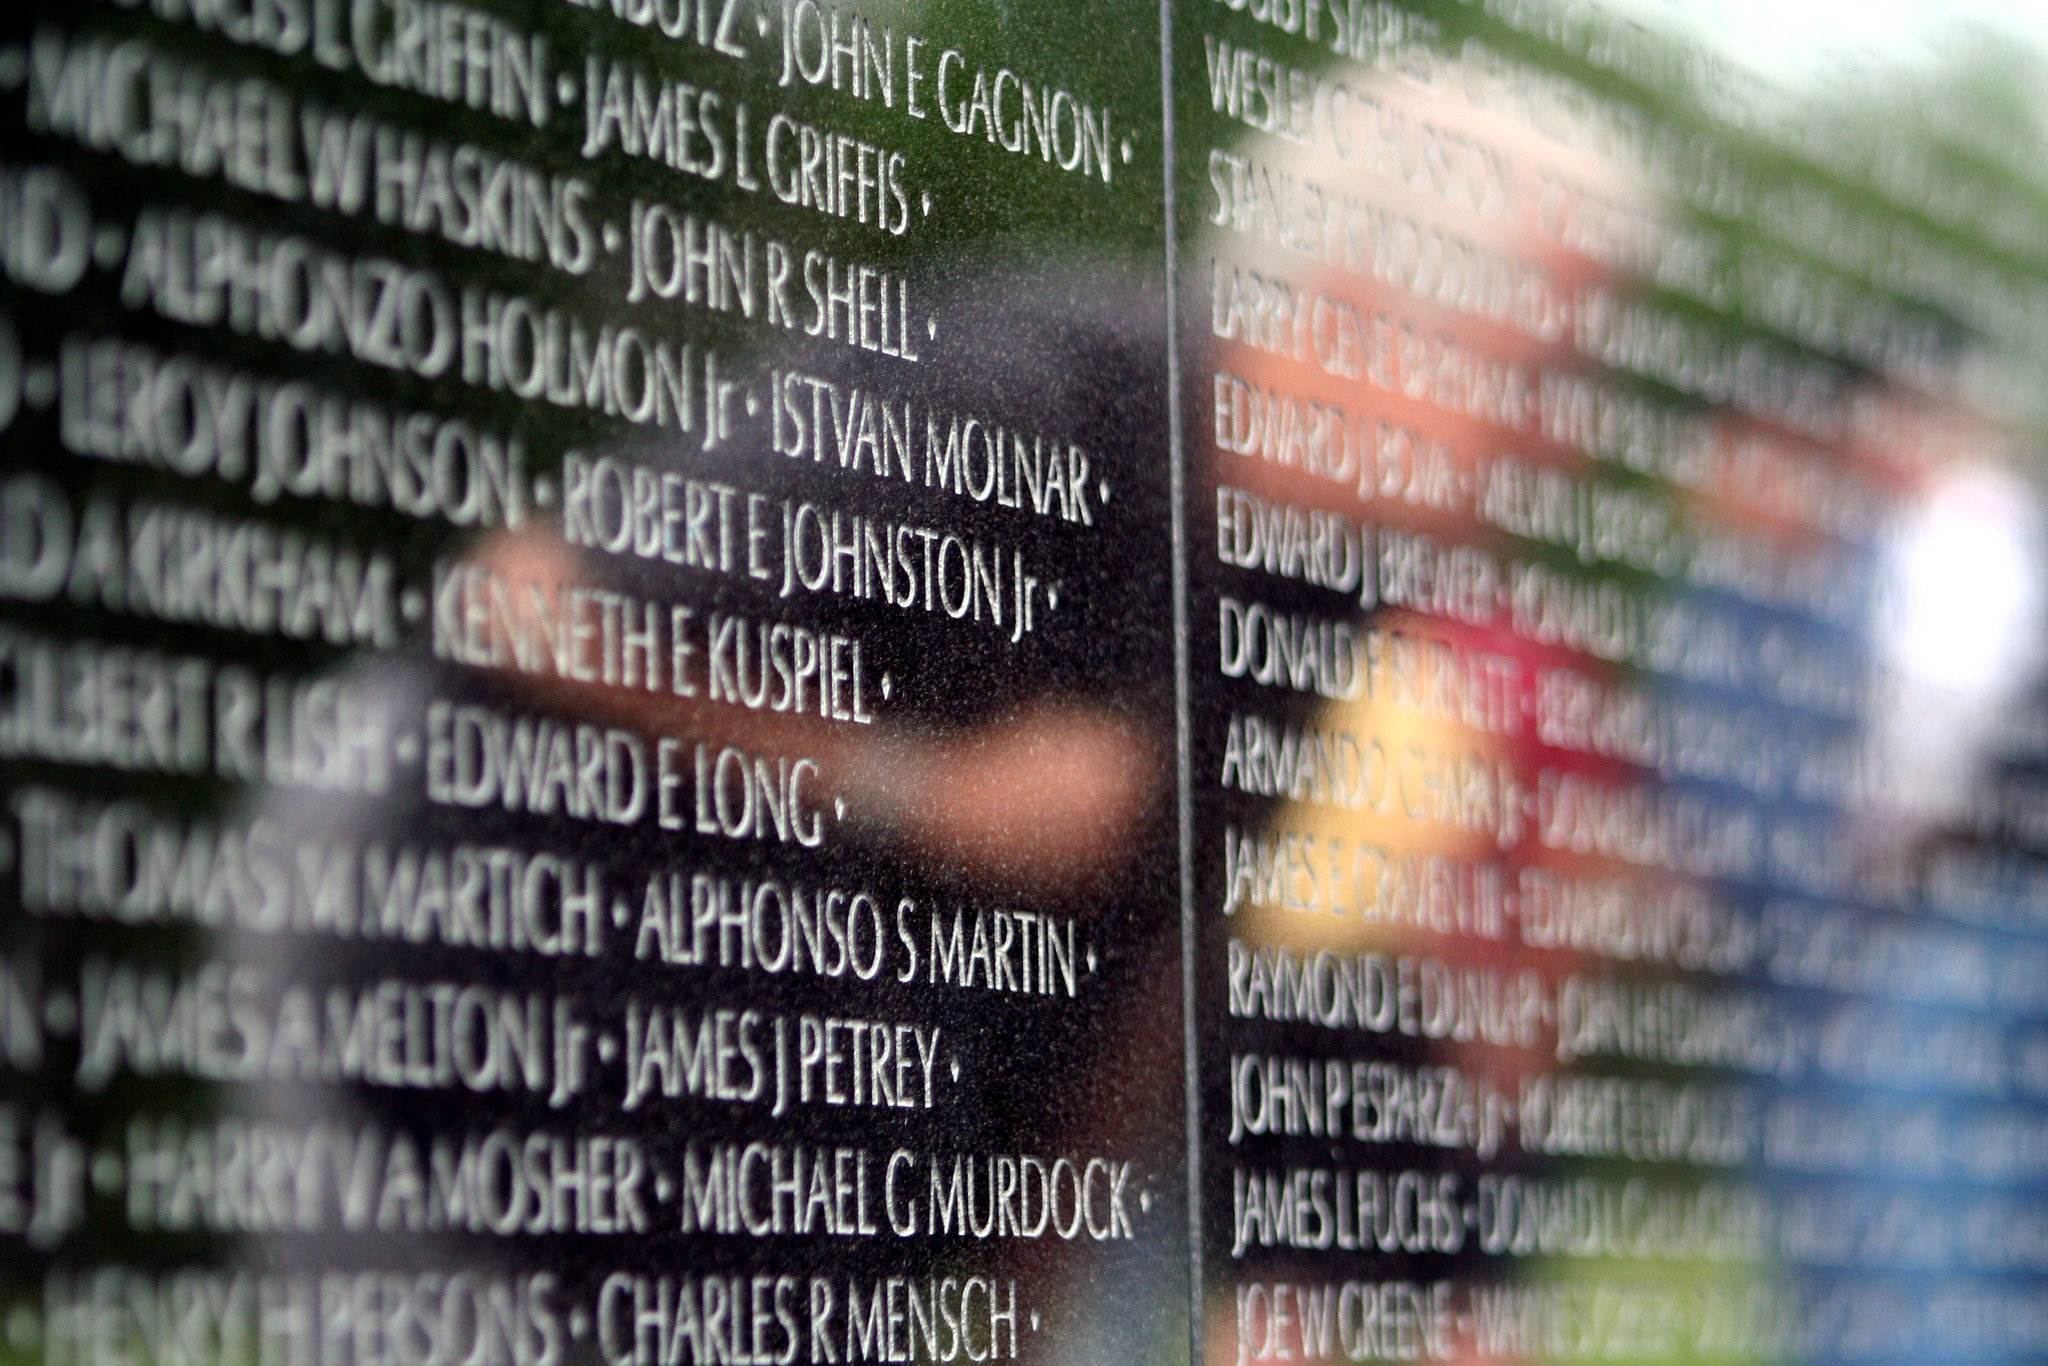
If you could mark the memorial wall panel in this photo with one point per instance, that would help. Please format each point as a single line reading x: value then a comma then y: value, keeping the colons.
x: 752, y: 682
x: 1610, y: 932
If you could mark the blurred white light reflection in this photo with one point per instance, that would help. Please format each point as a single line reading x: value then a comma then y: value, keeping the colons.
x: 1958, y: 633
x: 1966, y: 601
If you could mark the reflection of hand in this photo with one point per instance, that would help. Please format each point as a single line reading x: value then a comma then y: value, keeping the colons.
x: 1043, y: 800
